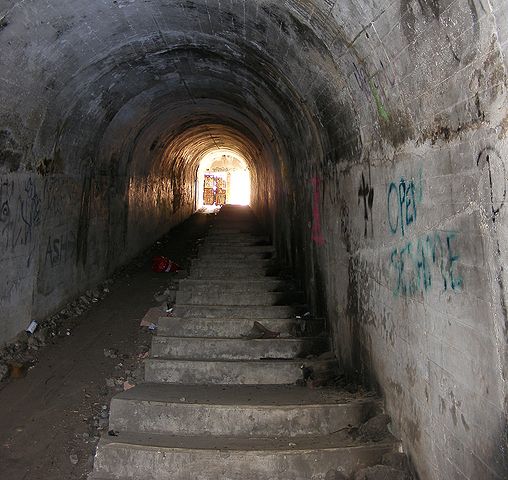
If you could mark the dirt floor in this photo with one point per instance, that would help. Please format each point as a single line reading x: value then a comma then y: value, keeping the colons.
x: 51, y: 420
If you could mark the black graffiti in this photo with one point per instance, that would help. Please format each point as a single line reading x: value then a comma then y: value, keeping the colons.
x: 60, y: 249
x: 20, y: 213
x: 497, y: 180
x: 366, y: 192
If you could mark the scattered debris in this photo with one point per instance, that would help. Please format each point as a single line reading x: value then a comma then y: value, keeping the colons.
x: 167, y: 296
x: 259, y: 331
x: 335, y: 475
x: 32, y: 327
x: 113, y: 433
x: 375, y: 429
x: 4, y: 371
x: 41, y: 333
x: 111, y: 353
x: 381, y: 472
x: 127, y: 386
x: 322, y: 374
x: 152, y: 327
x: 291, y: 444
x: 17, y: 370
x: 396, y: 460
x: 162, y: 264
x: 152, y: 316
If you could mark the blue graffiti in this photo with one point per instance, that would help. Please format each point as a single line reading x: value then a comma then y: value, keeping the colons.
x: 403, y: 200
x: 430, y: 260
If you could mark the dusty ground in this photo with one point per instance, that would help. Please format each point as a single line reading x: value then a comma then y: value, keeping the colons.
x: 49, y: 419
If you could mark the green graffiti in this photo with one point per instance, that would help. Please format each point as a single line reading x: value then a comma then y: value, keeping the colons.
x: 379, y: 104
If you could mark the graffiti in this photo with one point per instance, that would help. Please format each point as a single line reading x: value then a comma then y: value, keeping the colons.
x: 55, y: 197
x: 20, y: 214
x: 362, y: 79
x: 403, y: 200
x: 497, y: 178
x: 381, y: 110
x: 317, y: 235
x: 430, y: 260
x: 371, y: 89
x: 366, y: 192
x: 60, y: 249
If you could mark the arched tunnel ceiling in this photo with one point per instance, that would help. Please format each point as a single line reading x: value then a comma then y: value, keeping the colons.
x: 85, y: 61
x: 273, y: 64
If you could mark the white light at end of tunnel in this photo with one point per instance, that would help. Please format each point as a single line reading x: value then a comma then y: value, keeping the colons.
x: 240, y: 187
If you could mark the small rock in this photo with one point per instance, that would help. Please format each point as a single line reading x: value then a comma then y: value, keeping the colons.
x: 73, y: 458
x: 396, y: 460
x: 103, y: 423
x: 381, y: 472
x: 375, y: 429
x: 327, y: 356
x: 161, y: 296
x: 127, y: 386
x: 42, y: 335
x: 4, y: 371
x: 335, y: 475
x: 111, y: 382
x: 111, y: 353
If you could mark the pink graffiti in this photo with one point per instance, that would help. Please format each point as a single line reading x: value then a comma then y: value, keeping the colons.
x: 317, y: 234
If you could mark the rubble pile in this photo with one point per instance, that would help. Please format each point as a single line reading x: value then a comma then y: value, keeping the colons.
x: 19, y: 356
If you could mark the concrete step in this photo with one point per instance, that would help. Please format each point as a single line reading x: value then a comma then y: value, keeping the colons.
x: 228, y: 372
x: 224, y: 255
x: 218, y: 296
x: 213, y: 327
x: 137, y: 456
x: 229, y: 244
x: 249, y: 411
x: 236, y: 348
x: 235, y: 232
x: 233, y: 311
x: 235, y: 237
x: 222, y: 262
x: 220, y: 272
x: 264, y: 285
x: 209, y: 247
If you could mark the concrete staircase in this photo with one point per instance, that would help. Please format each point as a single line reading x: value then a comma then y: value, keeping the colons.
x: 217, y: 405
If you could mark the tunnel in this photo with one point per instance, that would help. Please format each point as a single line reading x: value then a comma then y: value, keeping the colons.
x: 374, y: 133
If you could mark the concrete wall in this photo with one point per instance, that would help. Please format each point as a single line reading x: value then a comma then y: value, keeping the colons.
x: 375, y: 133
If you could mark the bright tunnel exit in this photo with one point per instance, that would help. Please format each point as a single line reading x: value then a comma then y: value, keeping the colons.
x: 223, y: 178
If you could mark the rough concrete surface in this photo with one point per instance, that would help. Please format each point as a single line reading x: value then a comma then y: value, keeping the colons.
x: 376, y: 137
x: 49, y: 419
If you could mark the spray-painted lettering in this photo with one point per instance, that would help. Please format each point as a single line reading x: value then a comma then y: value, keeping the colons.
x: 403, y: 200
x: 430, y: 260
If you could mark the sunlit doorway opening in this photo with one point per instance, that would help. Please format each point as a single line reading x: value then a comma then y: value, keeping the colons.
x: 223, y: 178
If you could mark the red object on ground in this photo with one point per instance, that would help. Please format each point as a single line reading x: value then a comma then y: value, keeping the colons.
x: 164, y: 264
